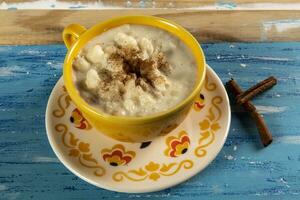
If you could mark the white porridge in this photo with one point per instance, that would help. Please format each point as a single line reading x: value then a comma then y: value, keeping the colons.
x: 134, y: 70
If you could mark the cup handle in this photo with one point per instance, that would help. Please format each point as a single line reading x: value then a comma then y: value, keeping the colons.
x: 71, y: 33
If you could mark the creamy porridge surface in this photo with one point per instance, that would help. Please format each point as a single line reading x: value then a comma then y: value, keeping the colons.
x: 134, y: 70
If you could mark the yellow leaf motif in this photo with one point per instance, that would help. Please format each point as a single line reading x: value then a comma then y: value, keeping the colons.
x: 166, y: 168
x: 209, y: 127
x: 154, y: 176
x: 215, y: 126
x: 153, y: 171
x: 204, y: 125
x: 79, y: 151
x: 151, y: 167
x: 73, y: 152
x: 205, y: 134
x: 73, y: 140
x: 84, y: 147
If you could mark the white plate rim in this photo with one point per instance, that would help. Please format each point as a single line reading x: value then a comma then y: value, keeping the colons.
x: 61, y: 158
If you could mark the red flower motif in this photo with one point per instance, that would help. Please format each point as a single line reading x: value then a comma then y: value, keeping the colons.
x: 79, y: 121
x: 177, y: 145
x: 117, y: 155
x: 199, y: 102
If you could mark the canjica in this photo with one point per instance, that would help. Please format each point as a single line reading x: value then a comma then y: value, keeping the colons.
x: 134, y: 70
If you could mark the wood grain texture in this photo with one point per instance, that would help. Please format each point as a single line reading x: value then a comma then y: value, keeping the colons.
x: 165, y: 3
x: 46, y: 26
x: 242, y: 170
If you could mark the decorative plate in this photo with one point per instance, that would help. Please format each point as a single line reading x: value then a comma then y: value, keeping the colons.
x: 139, y: 167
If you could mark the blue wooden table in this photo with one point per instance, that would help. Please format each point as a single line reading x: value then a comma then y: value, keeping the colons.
x: 242, y: 170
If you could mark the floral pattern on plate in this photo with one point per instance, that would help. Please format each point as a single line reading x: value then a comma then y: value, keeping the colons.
x: 166, y: 160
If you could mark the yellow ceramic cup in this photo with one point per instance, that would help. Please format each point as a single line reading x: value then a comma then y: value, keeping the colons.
x: 128, y: 128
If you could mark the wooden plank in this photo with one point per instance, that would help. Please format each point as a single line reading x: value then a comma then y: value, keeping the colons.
x: 164, y: 3
x: 30, y: 170
x: 187, y: 3
x: 46, y: 26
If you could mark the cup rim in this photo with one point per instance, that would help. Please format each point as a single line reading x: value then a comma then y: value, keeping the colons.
x: 157, y: 22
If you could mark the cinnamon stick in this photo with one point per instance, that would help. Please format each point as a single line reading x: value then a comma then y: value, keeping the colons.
x: 264, y: 132
x: 256, y: 89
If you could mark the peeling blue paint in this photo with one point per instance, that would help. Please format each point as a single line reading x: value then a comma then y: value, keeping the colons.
x: 242, y: 170
x: 225, y: 4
